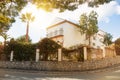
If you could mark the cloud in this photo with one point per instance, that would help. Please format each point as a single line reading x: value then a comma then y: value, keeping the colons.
x: 104, y: 11
x: 118, y: 9
x: 107, y: 10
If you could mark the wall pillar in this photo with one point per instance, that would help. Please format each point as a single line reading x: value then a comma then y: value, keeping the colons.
x: 85, y: 52
x: 11, y: 55
x: 37, y: 55
x: 59, y: 54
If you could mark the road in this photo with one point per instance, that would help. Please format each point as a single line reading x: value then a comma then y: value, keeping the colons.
x: 103, y: 74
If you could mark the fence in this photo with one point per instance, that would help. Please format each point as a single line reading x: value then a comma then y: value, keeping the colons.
x: 94, y: 53
x: 110, y: 52
x: 74, y: 55
x: 80, y: 54
x: 100, y: 53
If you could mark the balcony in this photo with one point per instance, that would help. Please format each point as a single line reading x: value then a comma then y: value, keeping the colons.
x: 55, y: 33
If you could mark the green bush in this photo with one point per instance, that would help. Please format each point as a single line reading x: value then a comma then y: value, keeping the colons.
x: 2, y: 55
x: 22, y: 39
x: 22, y: 51
x: 26, y: 51
x: 1, y: 49
x: 48, y: 48
x: 74, y: 53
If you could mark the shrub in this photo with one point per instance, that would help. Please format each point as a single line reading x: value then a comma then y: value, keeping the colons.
x: 22, y: 51
x: 1, y: 49
x: 22, y: 39
x: 2, y: 55
x: 26, y: 51
x: 48, y: 47
x: 74, y: 53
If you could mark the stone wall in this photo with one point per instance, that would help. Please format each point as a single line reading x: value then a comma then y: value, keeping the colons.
x: 94, y: 54
x: 62, y: 66
x: 110, y: 52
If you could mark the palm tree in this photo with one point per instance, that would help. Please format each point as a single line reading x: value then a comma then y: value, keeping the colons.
x: 27, y: 17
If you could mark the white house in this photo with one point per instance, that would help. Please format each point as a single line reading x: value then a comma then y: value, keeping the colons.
x: 67, y: 34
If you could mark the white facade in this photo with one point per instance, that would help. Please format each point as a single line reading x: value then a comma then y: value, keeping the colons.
x: 97, y: 39
x: 67, y: 34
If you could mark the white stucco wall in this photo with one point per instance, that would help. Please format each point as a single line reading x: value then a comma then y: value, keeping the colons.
x: 98, y: 41
x: 72, y: 36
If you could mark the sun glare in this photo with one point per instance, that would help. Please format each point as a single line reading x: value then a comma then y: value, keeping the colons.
x: 42, y: 18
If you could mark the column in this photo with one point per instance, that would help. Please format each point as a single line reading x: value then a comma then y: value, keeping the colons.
x: 37, y: 55
x: 11, y: 55
x: 85, y: 52
x: 59, y: 54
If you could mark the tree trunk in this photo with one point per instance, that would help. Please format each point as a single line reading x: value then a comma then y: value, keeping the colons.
x: 89, y: 40
x: 27, y: 31
x: 4, y: 43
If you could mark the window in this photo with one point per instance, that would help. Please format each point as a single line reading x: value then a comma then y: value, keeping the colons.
x: 55, y: 33
x: 93, y: 44
x: 94, y: 38
x: 47, y: 35
x: 61, y: 31
x: 50, y: 34
x: 101, y: 40
x: 98, y: 46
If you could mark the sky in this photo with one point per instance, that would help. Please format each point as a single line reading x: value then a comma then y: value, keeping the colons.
x: 108, y: 20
